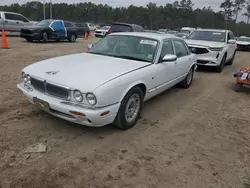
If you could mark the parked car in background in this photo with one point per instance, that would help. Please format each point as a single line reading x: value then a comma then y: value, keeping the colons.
x: 82, y: 28
x: 91, y: 26
x: 163, y: 30
x: 213, y: 47
x: 172, y: 32
x: 11, y: 21
x: 187, y: 30
x: 121, y: 71
x: 182, y: 35
x: 102, y: 32
x: 125, y: 27
x: 243, y: 43
x: 50, y: 30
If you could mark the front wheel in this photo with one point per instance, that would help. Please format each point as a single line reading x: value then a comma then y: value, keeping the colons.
x: 221, y: 66
x: 231, y: 60
x: 130, y: 109
x: 186, y: 83
x: 45, y: 37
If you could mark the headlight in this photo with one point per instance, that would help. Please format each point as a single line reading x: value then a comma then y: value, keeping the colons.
x: 91, y: 98
x: 216, y: 49
x: 26, y: 78
x: 78, y: 96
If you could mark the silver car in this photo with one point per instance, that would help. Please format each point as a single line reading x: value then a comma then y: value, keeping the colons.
x: 11, y: 21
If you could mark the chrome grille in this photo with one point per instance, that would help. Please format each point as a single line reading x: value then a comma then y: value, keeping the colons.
x: 197, y: 50
x: 50, y: 89
x: 38, y: 84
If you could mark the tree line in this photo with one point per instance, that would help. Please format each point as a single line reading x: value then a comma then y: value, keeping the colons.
x: 171, y: 15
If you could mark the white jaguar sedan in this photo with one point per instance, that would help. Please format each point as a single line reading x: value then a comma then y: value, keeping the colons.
x: 109, y: 83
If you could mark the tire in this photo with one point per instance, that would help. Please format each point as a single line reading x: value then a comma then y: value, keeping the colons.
x: 232, y: 60
x: 187, y: 82
x: 135, y: 95
x: 72, y: 38
x: 222, y: 64
x: 45, y: 37
x: 57, y: 40
x: 237, y: 87
x: 29, y: 40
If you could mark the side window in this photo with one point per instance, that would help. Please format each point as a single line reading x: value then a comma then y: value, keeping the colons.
x: 24, y: 19
x: 68, y: 24
x: 231, y: 35
x: 228, y: 37
x: 167, y: 48
x: 180, y: 48
x: 9, y: 16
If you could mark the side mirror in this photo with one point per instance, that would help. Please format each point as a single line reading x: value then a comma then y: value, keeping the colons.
x: 169, y: 58
x: 231, y: 41
x: 184, y: 37
x: 90, y: 46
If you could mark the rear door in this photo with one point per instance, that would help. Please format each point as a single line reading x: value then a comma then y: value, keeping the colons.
x: 231, y: 47
x: 183, y: 57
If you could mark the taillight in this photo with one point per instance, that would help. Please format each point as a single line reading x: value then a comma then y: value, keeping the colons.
x: 110, y: 31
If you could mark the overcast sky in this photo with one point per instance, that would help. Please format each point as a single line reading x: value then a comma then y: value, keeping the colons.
x: 116, y: 3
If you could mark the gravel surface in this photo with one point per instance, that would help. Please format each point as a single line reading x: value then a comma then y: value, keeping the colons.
x: 199, y: 137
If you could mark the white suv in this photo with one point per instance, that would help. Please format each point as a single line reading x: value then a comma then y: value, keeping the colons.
x: 213, y: 47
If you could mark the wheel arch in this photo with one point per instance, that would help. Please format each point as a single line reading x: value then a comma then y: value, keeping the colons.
x: 139, y: 84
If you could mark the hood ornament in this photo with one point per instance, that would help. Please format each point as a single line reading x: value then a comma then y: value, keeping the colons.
x: 51, y: 72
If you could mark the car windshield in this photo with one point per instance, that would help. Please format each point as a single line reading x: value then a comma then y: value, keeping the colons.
x: 105, y: 27
x: 126, y: 47
x: 244, y: 39
x: 44, y: 23
x: 216, y: 36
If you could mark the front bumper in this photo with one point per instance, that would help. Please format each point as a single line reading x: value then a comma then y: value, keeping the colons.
x: 61, y: 108
x: 209, y: 59
x: 33, y: 36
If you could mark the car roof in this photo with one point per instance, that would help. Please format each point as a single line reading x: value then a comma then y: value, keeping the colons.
x: 120, y: 23
x: 157, y: 36
x: 213, y: 30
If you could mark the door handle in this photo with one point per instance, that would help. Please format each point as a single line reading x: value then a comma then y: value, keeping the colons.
x: 6, y: 21
x: 17, y: 22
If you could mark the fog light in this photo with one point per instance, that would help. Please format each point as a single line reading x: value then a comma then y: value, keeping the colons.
x: 104, y: 113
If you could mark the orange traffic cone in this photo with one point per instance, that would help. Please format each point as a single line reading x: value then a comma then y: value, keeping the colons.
x: 4, y: 40
x: 85, y: 36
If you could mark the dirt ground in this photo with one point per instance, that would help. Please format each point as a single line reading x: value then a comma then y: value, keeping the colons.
x: 195, y: 138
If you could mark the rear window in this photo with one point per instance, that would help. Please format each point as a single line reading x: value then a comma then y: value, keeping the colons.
x: 121, y: 28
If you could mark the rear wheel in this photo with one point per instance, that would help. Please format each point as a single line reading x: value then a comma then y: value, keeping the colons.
x: 221, y: 66
x: 72, y: 38
x: 130, y: 109
x: 186, y: 83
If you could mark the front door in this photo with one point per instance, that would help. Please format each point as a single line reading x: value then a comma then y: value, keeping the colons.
x: 59, y: 29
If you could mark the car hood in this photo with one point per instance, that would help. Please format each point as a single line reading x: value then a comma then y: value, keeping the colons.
x: 82, y: 71
x: 204, y: 43
x: 34, y: 27
x: 243, y: 42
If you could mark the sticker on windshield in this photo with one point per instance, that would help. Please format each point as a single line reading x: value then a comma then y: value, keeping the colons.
x: 216, y: 33
x: 152, y: 42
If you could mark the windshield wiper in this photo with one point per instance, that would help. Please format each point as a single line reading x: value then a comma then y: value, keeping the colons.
x: 131, y: 58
